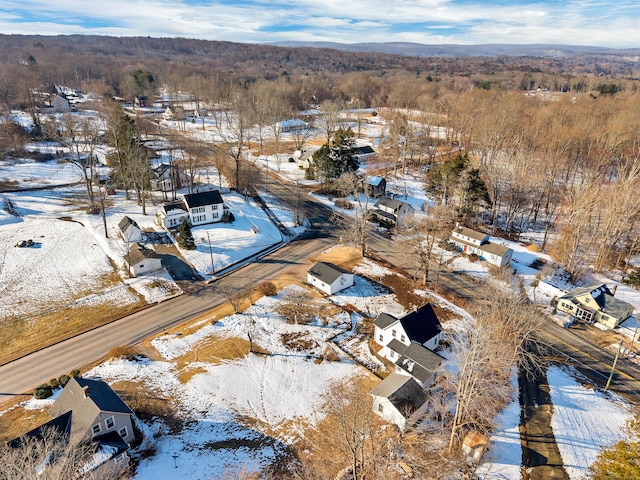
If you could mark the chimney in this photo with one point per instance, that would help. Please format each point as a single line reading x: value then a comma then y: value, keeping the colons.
x: 85, y: 391
x: 613, y: 289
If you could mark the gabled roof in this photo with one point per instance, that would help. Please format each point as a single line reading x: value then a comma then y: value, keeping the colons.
x: 201, y: 199
x: 86, y: 404
x: 59, y: 426
x: 390, y: 203
x: 178, y: 205
x: 467, y: 232
x: 419, y: 361
x: 125, y: 222
x: 161, y: 168
x: 421, y: 325
x: 364, y: 150
x: 138, y: 253
x: 327, y: 272
x: 494, y: 248
x: 374, y: 180
x: 384, y: 320
x: 402, y: 391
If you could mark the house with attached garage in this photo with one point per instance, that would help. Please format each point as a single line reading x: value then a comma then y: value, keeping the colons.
x: 472, y: 242
x: 397, y: 398
x: 129, y: 230
x: 420, y: 326
x: 89, y: 412
x: 141, y: 260
x: 389, y: 211
x: 329, y: 278
x: 198, y: 208
x: 595, y: 304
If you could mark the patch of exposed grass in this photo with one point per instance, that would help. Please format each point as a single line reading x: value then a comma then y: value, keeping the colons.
x: 188, y: 372
x: 298, y: 341
x: 17, y: 421
x: 20, y: 336
x: 6, y: 184
x: 214, y: 350
x: 149, y: 404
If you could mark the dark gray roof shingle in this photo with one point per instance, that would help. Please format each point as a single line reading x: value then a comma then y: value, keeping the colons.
x: 327, y: 272
x: 193, y: 200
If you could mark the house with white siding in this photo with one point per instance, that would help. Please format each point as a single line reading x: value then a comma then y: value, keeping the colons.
x: 329, y: 278
x: 198, y: 208
x: 595, y: 304
x: 472, y: 242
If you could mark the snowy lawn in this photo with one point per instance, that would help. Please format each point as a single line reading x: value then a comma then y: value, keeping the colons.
x: 584, y: 420
x: 238, y: 413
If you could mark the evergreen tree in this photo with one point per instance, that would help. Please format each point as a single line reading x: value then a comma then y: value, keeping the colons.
x: 622, y: 459
x: 474, y: 193
x: 444, y: 177
x: 332, y: 161
x: 185, y: 237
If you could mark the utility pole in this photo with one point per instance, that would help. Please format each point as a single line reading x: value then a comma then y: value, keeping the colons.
x: 613, y: 367
x: 211, y: 254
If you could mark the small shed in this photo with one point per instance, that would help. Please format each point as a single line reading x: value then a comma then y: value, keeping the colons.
x: 141, y: 260
x: 376, y: 186
x: 130, y: 230
x: 474, y: 445
x: 329, y: 278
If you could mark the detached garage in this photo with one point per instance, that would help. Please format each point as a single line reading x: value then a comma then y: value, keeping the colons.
x: 329, y: 278
x: 141, y: 260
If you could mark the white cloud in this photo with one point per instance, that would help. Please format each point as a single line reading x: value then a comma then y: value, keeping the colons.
x: 575, y: 22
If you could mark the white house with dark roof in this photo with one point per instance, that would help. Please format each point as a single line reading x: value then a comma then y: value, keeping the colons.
x: 141, y: 260
x: 392, y: 212
x: 394, y: 335
x: 397, y: 398
x: 167, y: 177
x: 199, y: 208
x: 595, y: 304
x: 205, y: 207
x: 470, y: 241
x: 329, y: 278
x: 130, y: 230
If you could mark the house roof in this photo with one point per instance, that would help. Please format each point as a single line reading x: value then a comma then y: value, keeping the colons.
x: 419, y: 361
x: 467, y: 232
x: 384, y: 214
x: 494, y: 248
x: 201, y: 199
x: 390, y: 203
x: 402, y: 391
x: 59, y: 427
x: 384, y: 320
x: 125, y: 222
x: 139, y: 253
x: 161, y: 168
x: 364, y: 150
x: 421, y: 325
x: 179, y: 205
x: 327, y: 272
x: 374, y: 180
x: 99, y: 397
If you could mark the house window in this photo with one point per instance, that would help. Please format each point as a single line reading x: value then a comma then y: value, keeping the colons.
x: 380, y: 408
x: 123, y: 432
x: 214, y: 207
x: 215, y: 215
x: 96, y: 429
x: 142, y: 266
x: 110, y: 423
x: 402, y: 338
x: 393, y: 333
x: 197, y: 210
x: 392, y: 354
x: 381, y: 338
x: 119, y: 458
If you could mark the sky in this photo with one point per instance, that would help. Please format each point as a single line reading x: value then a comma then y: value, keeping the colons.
x: 606, y: 23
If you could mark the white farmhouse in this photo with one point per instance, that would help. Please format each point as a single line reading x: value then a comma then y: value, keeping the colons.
x: 392, y: 212
x: 329, y: 278
x: 395, y: 335
x: 470, y: 241
x: 198, y: 208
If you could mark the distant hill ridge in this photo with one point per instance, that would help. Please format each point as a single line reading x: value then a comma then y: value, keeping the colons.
x: 454, y: 50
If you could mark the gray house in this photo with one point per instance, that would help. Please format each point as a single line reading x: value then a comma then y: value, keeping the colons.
x: 88, y: 411
x: 390, y: 211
